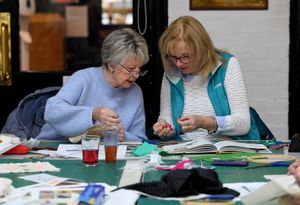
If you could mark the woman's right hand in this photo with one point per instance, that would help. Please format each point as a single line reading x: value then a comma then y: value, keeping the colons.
x: 106, y: 116
x: 293, y: 167
x: 296, y: 201
x: 163, y: 129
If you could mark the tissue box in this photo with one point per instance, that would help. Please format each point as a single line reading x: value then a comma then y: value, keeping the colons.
x: 92, y: 194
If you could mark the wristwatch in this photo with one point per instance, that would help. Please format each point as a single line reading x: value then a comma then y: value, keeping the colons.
x: 213, y: 132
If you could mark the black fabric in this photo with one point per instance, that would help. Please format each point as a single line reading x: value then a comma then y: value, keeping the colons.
x: 181, y: 183
x: 264, y: 132
x: 295, y: 143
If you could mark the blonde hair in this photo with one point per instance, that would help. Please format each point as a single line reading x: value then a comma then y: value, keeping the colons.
x: 192, y: 32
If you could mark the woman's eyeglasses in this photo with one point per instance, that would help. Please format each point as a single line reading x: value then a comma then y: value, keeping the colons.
x: 182, y: 59
x: 132, y: 72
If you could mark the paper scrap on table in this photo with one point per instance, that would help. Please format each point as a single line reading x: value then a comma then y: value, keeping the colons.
x: 46, y: 153
x: 48, y: 179
x: 122, y: 196
x: 27, y: 167
x: 75, y: 151
x: 244, y: 188
x: 44, y: 194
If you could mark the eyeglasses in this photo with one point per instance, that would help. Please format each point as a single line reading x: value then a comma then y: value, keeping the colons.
x: 182, y: 59
x: 132, y: 72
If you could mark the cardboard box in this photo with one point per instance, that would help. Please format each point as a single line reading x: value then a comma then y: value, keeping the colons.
x: 46, y: 51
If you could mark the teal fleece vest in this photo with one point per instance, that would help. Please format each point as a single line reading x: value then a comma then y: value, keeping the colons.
x: 217, y: 95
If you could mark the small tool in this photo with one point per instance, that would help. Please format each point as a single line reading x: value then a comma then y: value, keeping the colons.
x: 273, y: 164
x: 43, y: 148
x: 236, y: 163
x: 219, y: 197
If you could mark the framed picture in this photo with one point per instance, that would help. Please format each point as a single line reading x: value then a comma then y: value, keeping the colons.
x: 228, y: 4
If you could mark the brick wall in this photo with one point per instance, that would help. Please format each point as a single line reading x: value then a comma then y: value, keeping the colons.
x: 260, y: 41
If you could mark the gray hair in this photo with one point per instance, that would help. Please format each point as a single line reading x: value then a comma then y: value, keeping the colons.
x: 121, y: 44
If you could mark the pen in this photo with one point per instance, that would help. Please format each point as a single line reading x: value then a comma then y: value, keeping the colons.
x: 247, y: 189
x: 214, y: 197
x: 219, y: 197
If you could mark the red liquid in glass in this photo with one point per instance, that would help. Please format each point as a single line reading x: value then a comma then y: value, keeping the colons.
x: 111, y: 154
x: 90, y: 157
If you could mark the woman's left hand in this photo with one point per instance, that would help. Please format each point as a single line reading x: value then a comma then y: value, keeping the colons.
x: 194, y: 122
x: 188, y: 123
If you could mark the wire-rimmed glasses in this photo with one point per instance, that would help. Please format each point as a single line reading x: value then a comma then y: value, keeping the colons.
x: 132, y: 72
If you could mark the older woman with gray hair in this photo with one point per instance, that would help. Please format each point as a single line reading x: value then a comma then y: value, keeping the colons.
x: 107, y: 95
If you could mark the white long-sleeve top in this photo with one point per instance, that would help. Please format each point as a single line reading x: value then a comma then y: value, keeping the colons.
x: 197, y: 102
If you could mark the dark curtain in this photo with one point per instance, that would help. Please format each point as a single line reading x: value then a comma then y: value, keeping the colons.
x: 294, y: 74
x: 157, y: 21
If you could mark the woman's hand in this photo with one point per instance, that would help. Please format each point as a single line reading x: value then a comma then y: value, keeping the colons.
x: 296, y: 201
x: 293, y: 167
x: 106, y: 116
x: 121, y: 133
x: 189, y: 123
x: 194, y: 122
x: 163, y: 129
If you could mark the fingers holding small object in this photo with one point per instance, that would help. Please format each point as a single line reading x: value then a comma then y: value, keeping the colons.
x: 163, y: 130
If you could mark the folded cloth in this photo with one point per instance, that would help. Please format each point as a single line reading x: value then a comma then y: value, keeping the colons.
x: 20, y: 149
x: 144, y: 149
x: 181, y: 183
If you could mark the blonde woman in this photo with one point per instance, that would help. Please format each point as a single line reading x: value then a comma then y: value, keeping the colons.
x: 203, y: 93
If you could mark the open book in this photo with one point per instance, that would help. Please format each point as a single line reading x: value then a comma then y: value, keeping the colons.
x: 205, y: 146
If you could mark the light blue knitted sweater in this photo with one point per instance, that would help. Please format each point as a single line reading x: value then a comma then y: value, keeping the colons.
x: 69, y: 113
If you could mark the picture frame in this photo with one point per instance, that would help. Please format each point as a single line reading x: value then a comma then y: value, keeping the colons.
x: 228, y: 4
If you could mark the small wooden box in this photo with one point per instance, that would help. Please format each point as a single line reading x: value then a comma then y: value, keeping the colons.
x: 46, y: 52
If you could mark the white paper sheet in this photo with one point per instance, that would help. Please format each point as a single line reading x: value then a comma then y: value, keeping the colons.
x: 27, y: 167
x: 75, y: 151
x: 244, y: 188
